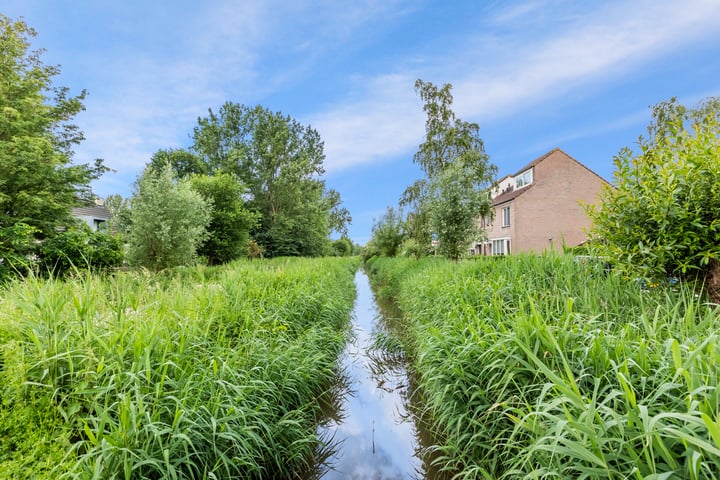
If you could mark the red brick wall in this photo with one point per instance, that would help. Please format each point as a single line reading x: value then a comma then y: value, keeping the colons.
x: 550, y: 212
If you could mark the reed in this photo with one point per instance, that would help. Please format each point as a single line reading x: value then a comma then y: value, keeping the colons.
x: 544, y: 367
x: 193, y: 373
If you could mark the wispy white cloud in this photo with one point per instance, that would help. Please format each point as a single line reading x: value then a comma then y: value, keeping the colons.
x: 514, y: 73
x: 149, y: 98
x: 381, y: 124
x: 600, y: 46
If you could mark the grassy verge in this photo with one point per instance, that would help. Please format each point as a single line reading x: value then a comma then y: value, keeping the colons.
x: 542, y: 367
x: 197, y: 373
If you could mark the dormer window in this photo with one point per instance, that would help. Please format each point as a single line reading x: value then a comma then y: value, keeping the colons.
x: 525, y: 178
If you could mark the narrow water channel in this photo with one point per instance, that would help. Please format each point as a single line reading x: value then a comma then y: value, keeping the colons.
x: 374, y: 436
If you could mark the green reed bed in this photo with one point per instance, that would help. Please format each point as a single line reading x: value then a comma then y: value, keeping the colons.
x: 194, y: 373
x: 545, y: 367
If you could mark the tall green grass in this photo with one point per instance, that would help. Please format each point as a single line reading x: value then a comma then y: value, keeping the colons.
x: 194, y: 373
x: 543, y: 367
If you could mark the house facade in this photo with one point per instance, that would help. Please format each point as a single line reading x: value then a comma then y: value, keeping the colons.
x: 540, y: 207
x: 95, y: 216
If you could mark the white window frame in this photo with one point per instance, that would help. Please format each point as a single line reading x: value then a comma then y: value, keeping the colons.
x: 500, y: 246
x: 505, y: 215
x: 525, y: 178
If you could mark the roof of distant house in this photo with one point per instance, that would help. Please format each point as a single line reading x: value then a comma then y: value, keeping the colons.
x: 96, y: 211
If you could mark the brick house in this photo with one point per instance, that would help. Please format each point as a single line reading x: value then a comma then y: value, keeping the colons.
x: 539, y: 207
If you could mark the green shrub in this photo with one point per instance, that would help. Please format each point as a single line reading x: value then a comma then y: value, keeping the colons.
x: 79, y: 248
x: 662, y: 215
x: 18, y: 249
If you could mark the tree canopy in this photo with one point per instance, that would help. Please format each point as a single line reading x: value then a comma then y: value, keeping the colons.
x: 458, y: 175
x: 454, y: 208
x: 281, y: 162
x: 38, y: 182
x: 230, y: 221
x: 662, y: 215
x: 387, y: 235
x: 183, y: 162
x: 168, y: 220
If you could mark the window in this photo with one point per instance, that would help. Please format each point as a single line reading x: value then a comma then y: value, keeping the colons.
x: 506, y: 216
x: 501, y: 246
x: 523, y: 179
x: 100, y: 225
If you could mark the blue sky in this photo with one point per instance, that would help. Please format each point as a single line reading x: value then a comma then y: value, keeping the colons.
x: 535, y: 74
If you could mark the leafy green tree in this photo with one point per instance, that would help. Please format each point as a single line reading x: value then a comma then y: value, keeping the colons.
x: 342, y: 247
x: 448, y: 138
x: 280, y: 161
x: 38, y: 182
x: 168, y: 220
x: 387, y: 235
x: 17, y: 247
x: 417, y: 222
x: 411, y: 248
x: 450, y: 198
x: 183, y: 162
x: 662, y: 216
x: 454, y: 208
x: 119, y: 207
x: 230, y: 222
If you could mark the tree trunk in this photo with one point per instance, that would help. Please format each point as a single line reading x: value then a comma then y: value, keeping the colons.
x: 712, y: 282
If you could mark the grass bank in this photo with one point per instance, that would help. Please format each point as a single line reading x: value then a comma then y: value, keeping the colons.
x: 194, y: 373
x: 543, y: 367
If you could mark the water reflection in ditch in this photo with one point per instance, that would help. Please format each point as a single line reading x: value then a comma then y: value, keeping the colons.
x: 372, y: 435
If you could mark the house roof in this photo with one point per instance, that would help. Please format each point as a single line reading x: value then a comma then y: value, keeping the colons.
x: 510, y: 194
x: 97, y: 211
x: 513, y: 193
x: 556, y: 149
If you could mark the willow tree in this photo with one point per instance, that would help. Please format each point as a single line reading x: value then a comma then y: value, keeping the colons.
x: 168, y: 220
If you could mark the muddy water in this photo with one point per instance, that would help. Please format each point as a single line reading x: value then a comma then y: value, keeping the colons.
x: 373, y: 437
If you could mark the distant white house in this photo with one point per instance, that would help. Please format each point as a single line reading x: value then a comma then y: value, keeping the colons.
x: 95, y: 216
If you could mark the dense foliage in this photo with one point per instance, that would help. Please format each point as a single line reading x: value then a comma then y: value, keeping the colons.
x: 38, y: 182
x: 230, y: 221
x: 387, y: 235
x: 455, y: 205
x: 662, y: 215
x: 446, y: 204
x: 210, y: 372
x: 79, y: 248
x: 183, y: 162
x: 549, y: 367
x: 168, y: 220
x: 280, y: 161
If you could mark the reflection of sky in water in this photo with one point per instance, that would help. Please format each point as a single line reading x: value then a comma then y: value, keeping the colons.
x: 377, y: 440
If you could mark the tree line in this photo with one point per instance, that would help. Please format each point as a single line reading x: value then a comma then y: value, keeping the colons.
x: 249, y: 185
